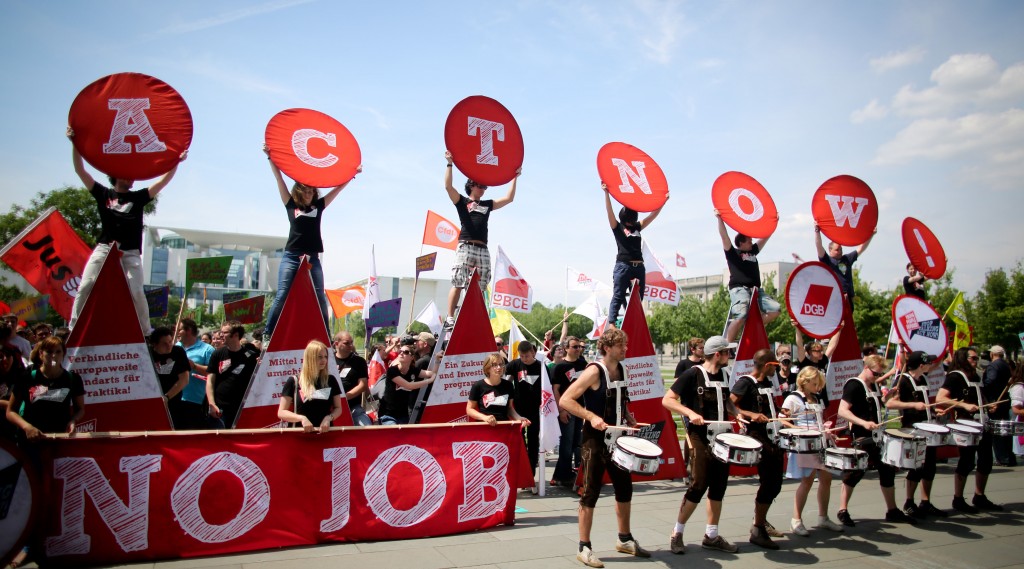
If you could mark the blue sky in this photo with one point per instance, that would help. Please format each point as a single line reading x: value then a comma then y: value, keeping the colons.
x: 922, y: 100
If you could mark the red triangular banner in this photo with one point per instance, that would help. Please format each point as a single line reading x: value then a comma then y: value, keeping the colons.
x: 107, y: 348
x: 754, y: 338
x: 299, y: 324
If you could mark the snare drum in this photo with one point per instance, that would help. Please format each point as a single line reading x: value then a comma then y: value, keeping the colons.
x: 902, y: 448
x: 636, y: 455
x: 736, y: 449
x: 964, y: 436
x: 845, y: 459
x: 935, y: 435
x: 971, y: 424
x: 800, y: 441
x: 1001, y: 427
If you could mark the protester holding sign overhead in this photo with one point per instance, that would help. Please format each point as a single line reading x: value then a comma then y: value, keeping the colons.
x: 841, y: 264
x: 629, y: 259
x: 744, y: 276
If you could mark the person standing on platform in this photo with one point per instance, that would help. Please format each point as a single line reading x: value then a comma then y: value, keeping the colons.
x: 629, y: 260
x: 744, y: 277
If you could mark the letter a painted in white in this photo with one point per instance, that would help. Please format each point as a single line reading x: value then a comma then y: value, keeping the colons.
x: 485, y: 128
x: 341, y: 487
x: 626, y: 174
x: 300, y: 145
x: 846, y: 209
x: 129, y: 524
x: 476, y: 478
x: 131, y: 120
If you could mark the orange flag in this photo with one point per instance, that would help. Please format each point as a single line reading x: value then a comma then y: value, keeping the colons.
x: 440, y: 232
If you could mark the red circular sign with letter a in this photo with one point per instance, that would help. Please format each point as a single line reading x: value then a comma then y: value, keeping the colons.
x: 745, y: 205
x: 485, y: 140
x: 814, y: 299
x: 923, y: 249
x: 312, y: 148
x: 845, y: 209
x: 131, y: 126
x: 633, y: 178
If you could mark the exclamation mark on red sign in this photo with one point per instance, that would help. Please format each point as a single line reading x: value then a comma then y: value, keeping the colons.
x: 920, y: 240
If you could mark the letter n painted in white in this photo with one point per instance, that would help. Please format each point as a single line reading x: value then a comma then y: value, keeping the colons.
x: 477, y: 478
x: 626, y: 174
x: 300, y: 145
x: 129, y: 523
x: 341, y: 487
x: 846, y: 209
x: 255, y: 500
x: 487, y: 130
x: 131, y: 120
x: 375, y: 486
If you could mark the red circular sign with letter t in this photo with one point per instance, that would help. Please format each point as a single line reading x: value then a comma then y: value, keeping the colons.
x: 485, y: 140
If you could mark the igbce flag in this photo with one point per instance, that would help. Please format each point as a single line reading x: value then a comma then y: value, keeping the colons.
x: 511, y: 291
x: 659, y: 286
x: 51, y: 257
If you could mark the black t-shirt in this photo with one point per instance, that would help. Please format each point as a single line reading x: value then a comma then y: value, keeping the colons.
x: 493, y: 400
x: 233, y: 371
x: 687, y: 387
x: 313, y: 406
x: 473, y: 216
x: 749, y: 399
x: 957, y: 387
x: 628, y: 242
x: 304, y: 233
x: 395, y: 402
x: 683, y: 365
x: 49, y: 402
x: 910, y: 395
x: 914, y: 289
x: 743, y: 268
x: 565, y: 372
x: 169, y: 366
x: 843, y: 267
x: 352, y: 369
x: 603, y: 400
x: 526, y: 379
x: 860, y: 405
x: 120, y: 215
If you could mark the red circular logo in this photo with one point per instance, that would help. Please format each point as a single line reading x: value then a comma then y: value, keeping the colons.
x: 745, y: 205
x: 312, y: 148
x: 485, y: 140
x: 633, y: 178
x: 923, y: 249
x: 845, y: 209
x: 131, y: 126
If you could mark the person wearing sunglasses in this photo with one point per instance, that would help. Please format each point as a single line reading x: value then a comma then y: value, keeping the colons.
x: 492, y: 399
x: 472, y: 253
x: 569, y: 443
x: 403, y: 377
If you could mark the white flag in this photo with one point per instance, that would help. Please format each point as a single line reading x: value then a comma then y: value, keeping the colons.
x: 372, y: 287
x: 590, y: 308
x: 549, y: 430
x: 431, y: 317
x: 511, y: 291
x: 660, y: 285
x: 575, y: 280
x: 515, y: 335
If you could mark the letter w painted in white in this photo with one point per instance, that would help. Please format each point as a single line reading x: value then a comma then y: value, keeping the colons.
x: 626, y: 174
x: 846, y: 209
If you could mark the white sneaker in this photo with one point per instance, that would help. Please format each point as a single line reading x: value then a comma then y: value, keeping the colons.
x: 798, y: 528
x: 588, y: 558
x: 825, y: 522
x: 631, y: 547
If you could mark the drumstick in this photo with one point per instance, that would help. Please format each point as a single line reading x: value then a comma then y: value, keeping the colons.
x: 622, y: 428
x: 943, y: 402
x: 706, y: 422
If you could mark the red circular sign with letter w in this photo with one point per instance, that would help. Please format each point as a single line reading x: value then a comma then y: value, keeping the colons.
x: 745, y: 205
x: 485, y: 140
x: 845, y: 209
x: 633, y: 178
x: 312, y: 148
x: 131, y: 126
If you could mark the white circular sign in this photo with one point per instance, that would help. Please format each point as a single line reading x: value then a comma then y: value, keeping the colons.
x: 919, y: 326
x: 814, y: 299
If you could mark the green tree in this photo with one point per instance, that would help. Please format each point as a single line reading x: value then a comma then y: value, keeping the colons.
x: 998, y: 308
x: 872, y: 312
x: 691, y: 317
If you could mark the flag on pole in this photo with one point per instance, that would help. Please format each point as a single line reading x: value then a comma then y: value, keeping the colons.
x: 345, y: 300
x: 375, y: 370
x: 575, y: 280
x: 511, y: 291
x: 680, y: 260
x: 440, y: 232
x: 660, y: 286
x: 549, y: 430
x: 431, y: 317
x: 957, y: 311
x: 515, y: 335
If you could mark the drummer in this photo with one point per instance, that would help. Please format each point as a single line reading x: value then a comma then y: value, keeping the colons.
x: 602, y: 389
x: 699, y: 396
x: 754, y: 396
x: 962, y: 392
x: 861, y: 406
x: 911, y: 398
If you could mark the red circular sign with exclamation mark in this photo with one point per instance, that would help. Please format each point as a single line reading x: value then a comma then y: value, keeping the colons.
x: 923, y: 249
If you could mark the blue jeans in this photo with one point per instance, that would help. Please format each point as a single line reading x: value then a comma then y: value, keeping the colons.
x: 359, y: 416
x: 567, y: 445
x: 622, y: 275
x: 285, y: 275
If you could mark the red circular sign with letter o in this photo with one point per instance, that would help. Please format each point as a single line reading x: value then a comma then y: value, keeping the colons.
x: 845, y: 209
x: 131, y: 126
x: 814, y: 299
x: 312, y: 148
x: 745, y: 205
x: 485, y: 140
x: 923, y: 249
x: 633, y: 178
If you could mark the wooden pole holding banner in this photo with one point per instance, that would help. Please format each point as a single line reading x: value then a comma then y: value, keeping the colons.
x: 181, y: 310
x: 412, y: 304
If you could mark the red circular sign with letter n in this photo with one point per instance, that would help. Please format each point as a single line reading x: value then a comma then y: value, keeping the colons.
x: 923, y: 249
x: 485, y: 140
x: 745, y: 205
x: 845, y: 209
x: 814, y: 299
x: 131, y: 126
x: 633, y: 178
x: 312, y: 148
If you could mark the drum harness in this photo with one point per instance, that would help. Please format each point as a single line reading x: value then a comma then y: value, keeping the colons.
x: 876, y: 435
x: 772, y: 427
x: 982, y: 415
x: 922, y: 389
x: 612, y: 435
x: 718, y: 387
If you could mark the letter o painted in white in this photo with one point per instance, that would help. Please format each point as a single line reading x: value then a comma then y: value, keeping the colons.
x: 734, y: 202
x: 376, y: 481
x: 255, y: 502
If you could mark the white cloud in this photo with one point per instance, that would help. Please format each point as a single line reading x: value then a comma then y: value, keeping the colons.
x: 943, y: 138
x: 968, y: 81
x: 664, y: 28
x: 229, y: 17
x: 872, y: 111
x: 898, y: 59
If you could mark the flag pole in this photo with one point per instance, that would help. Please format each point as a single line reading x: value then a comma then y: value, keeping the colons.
x: 412, y: 304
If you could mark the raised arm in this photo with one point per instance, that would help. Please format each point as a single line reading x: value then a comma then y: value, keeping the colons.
x: 511, y: 195
x: 723, y: 232
x: 452, y: 193
x: 647, y: 220
x: 801, y: 353
x: 79, y: 164
x: 282, y: 188
x: 337, y: 189
x: 833, y: 343
x: 864, y: 246
x: 612, y: 221
x: 166, y: 179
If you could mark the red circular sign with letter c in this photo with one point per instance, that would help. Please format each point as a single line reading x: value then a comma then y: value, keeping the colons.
x: 745, y: 205
x: 131, y: 126
x: 633, y: 178
x: 845, y: 209
x: 485, y: 140
x: 312, y: 148
x: 923, y: 249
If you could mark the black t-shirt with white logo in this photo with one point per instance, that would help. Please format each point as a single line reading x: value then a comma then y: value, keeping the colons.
x: 169, y: 366
x: 304, y: 234
x: 493, y: 400
x: 473, y: 216
x: 120, y: 215
x: 352, y: 369
x: 233, y: 371
x: 743, y: 268
x: 313, y: 406
x: 526, y: 379
x: 629, y: 243
x: 48, y: 402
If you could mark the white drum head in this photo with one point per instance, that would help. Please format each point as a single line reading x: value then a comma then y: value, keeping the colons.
x: 739, y: 441
x: 966, y: 429
x: 638, y: 446
x: 970, y: 423
x: 931, y: 428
